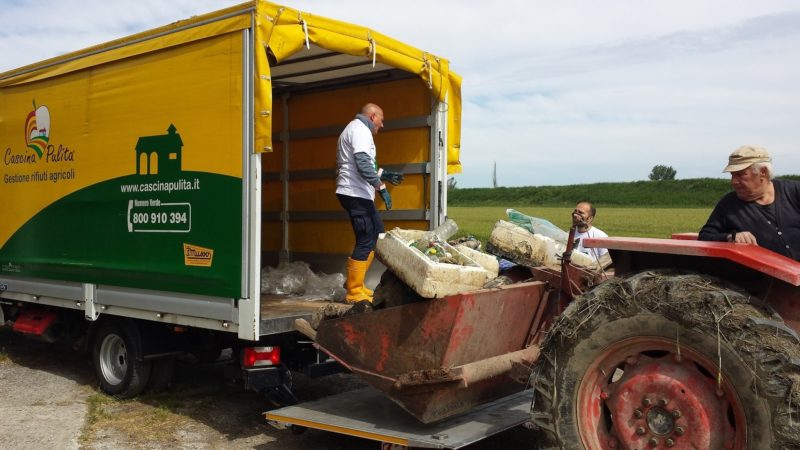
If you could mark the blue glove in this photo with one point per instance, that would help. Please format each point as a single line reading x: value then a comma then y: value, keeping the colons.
x: 392, y: 177
x: 386, y: 198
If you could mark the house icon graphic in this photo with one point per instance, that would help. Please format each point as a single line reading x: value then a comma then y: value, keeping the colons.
x: 159, y: 155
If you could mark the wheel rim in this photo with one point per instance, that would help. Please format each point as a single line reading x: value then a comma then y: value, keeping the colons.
x: 113, y: 359
x: 645, y: 392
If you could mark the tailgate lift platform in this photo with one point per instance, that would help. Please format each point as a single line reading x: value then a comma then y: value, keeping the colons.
x: 368, y: 414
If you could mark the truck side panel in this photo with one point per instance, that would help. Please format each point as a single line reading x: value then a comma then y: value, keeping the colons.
x: 128, y: 173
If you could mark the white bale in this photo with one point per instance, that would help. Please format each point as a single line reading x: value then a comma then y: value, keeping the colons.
x: 534, y: 249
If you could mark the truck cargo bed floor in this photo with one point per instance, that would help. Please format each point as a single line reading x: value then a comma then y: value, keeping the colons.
x: 278, y: 312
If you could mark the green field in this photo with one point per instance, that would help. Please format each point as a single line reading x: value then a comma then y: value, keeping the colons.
x: 634, y: 222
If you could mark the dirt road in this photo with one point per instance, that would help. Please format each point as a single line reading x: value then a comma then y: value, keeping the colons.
x: 49, y: 399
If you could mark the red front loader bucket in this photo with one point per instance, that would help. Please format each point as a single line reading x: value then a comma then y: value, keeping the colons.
x: 440, y: 357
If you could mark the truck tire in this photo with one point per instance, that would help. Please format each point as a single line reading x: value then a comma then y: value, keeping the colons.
x: 117, y: 358
x: 635, y: 363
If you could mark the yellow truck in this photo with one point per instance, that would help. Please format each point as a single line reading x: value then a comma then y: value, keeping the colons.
x: 147, y: 181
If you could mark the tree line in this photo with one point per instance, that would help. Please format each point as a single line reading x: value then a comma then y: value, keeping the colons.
x: 687, y: 193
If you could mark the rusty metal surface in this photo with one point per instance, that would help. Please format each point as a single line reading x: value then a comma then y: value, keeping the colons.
x: 665, y: 399
x: 428, y: 339
x: 751, y: 256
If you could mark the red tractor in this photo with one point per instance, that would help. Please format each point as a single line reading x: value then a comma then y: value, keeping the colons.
x: 692, y: 345
x: 689, y: 345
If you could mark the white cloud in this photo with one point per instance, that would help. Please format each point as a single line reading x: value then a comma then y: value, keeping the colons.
x: 558, y: 92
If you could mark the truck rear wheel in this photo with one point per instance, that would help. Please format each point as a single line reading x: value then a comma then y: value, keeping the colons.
x: 117, y: 358
x: 657, y: 361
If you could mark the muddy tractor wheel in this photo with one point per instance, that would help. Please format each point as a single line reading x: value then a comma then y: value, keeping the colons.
x: 660, y: 361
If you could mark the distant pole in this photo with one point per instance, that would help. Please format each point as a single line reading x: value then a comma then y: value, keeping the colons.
x: 494, y: 175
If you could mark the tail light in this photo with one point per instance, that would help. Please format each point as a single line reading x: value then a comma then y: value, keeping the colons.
x: 261, y: 356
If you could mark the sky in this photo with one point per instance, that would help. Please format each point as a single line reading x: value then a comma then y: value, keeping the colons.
x: 554, y: 92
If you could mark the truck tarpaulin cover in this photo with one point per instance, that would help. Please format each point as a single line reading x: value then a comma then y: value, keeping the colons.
x: 285, y: 32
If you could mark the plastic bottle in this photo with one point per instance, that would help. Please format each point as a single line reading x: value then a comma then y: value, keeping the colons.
x: 445, y: 230
x: 537, y: 225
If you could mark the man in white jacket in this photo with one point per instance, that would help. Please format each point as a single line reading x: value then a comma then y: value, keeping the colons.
x: 358, y: 179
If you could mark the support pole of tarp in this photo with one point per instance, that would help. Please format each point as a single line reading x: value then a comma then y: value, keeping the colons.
x: 285, y: 254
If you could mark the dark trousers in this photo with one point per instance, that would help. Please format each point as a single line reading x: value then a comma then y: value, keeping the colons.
x: 366, y: 222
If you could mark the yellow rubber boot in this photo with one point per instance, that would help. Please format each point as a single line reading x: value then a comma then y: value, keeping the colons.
x: 365, y: 289
x: 356, y: 270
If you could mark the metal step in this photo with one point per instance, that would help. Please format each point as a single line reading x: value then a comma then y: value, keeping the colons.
x: 368, y: 414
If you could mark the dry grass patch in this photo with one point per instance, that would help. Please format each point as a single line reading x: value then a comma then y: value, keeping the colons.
x: 134, y: 422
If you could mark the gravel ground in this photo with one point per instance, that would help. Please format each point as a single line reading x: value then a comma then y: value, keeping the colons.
x: 49, y: 399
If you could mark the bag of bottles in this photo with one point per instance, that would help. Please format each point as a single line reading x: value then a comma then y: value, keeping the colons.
x: 537, y: 225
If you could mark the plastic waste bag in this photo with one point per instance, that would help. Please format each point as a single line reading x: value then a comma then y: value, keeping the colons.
x: 297, y: 278
x: 537, y: 225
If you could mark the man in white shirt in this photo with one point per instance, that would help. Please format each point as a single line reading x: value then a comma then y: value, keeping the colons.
x: 582, y: 218
x: 358, y: 178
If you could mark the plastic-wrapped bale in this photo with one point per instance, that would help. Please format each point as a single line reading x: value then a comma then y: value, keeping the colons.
x: 431, y: 279
x: 518, y: 245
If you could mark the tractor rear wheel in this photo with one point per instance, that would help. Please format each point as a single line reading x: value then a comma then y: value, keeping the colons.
x: 658, y: 361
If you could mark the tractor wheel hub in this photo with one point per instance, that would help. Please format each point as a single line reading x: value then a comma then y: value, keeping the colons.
x: 667, y: 402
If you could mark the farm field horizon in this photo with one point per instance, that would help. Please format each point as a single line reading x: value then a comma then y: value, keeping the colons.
x: 615, y: 221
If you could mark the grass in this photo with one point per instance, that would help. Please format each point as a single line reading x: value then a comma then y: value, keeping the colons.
x: 632, y: 222
x: 96, y: 405
x: 134, y: 421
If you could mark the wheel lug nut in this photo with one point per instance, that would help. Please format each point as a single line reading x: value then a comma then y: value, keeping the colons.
x: 653, y: 442
x: 646, y: 401
x: 640, y: 431
x: 669, y: 442
x: 637, y: 413
x: 679, y: 431
x: 662, y: 402
x: 677, y: 413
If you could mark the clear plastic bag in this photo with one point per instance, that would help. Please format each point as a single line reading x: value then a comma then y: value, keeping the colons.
x: 297, y: 278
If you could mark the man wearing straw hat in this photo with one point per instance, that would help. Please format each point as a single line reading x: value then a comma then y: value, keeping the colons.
x: 760, y: 210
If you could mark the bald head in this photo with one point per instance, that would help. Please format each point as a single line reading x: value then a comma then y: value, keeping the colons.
x: 374, y: 113
x: 370, y: 108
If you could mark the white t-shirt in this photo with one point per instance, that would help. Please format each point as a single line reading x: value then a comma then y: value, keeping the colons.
x: 355, y: 138
x: 592, y: 232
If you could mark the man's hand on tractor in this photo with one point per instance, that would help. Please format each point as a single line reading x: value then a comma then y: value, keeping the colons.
x: 742, y: 237
x: 392, y: 177
x: 387, y: 199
